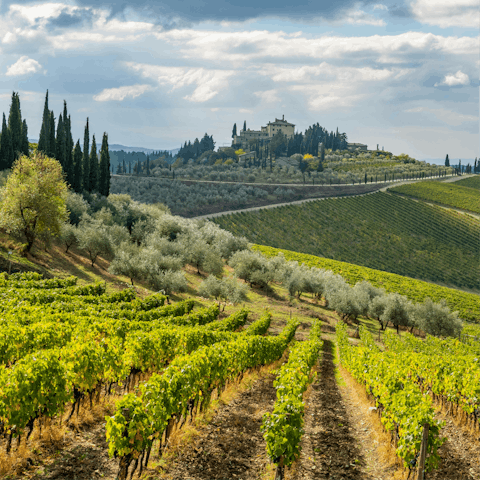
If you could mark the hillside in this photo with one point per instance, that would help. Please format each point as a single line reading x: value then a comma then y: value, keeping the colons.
x: 456, y: 194
x: 380, y: 231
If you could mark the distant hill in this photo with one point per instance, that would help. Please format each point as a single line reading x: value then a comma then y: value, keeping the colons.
x: 116, y: 146
x: 147, y: 151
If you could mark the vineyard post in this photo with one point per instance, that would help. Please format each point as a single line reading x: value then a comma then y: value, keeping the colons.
x: 279, y: 470
x: 423, y: 453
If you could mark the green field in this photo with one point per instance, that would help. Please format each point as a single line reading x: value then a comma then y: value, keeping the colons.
x: 380, y: 231
x: 467, y: 304
x: 452, y: 194
x: 471, y: 182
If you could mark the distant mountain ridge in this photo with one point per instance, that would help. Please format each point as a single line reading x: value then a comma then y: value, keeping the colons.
x: 147, y: 151
x: 116, y: 146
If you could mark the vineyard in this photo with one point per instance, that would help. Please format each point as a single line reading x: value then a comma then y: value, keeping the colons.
x: 471, y: 182
x: 157, y: 367
x: 65, y: 347
x: 456, y: 194
x: 380, y: 231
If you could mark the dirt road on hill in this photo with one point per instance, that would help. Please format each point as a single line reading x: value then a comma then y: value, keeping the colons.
x: 383, y: 188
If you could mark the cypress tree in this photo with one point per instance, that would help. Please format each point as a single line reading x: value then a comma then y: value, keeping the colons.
x: 447, y: 161
x: 93, y: 184
x: 6, y: 150
x: 15, y: 128
x: 51, y: 133
x: 77, y: 168
x: 68, y: 167
x: 60, y: 146
x: 104, y: 168
x: 86, y: 159
x: 234, y: 131
x: 25, y: 147
x: 148, y: 165
x: 124, y: 170
x: 244, y: 125
x: 44, y: 137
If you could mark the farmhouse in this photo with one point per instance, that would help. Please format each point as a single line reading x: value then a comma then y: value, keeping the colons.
x: 265, y: 133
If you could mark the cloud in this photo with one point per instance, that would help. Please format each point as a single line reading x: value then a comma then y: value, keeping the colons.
x: 268, y: 96
x: 359, y: 17
x: 175, y: 12
x: 447, y: 13
x: 446, y: 116
x: 380, y: 6
x: 23, y: 66
x: 121, y: 93
x: 208, y: 81
x: 458, y: 78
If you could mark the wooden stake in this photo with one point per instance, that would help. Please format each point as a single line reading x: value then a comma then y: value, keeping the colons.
x: 423, y: 453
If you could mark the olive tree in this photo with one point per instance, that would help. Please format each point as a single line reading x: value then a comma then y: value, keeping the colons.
x: 33, y: 198
x: 436, y: 319
x: 68, y: 235
x: 396, y: 310
x: 252, y: 267
x: 95, y: 240
x: 127, y: 261
x: 226, y: 289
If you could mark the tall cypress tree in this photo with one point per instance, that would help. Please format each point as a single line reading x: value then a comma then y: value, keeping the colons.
x: 6, y: 150
x: 148, y: 165
x: 60, y: 146
x: 44, y: 137
x: 51, y: 133
x: 447, y: 161
x: 234, y: 131
x: 15, y: 127
x: 25, y: 147
x: 68, y: 166
x: 77, y: 168
x: 93, y: 183
x: 86, y: 159
x: 104, y: 168
x: 244, y: 125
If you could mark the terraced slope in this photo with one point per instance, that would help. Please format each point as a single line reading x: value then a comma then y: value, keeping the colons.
x: 451, y: 194
x: 380, y: 231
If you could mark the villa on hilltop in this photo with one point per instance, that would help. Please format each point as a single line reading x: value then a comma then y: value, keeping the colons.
x: 265, y: 133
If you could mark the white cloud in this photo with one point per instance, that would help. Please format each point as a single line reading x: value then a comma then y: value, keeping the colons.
x: 121, y: 93
x: 326, y: 72
x: 268, y: 96
x: 380, y: 6
x: 359, y: 17
x: 447, y: 13
x: 23, y: 66
x: 208, y: 82
x: 458, y: 78
x: 245, y: 110
x: 448, y: 117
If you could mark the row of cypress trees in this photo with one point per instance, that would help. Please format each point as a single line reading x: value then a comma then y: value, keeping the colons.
x: 14, y: 136
x: 83, y: 170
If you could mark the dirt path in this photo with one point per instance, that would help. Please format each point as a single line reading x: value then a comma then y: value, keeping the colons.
x: 331, y: 448
x: 382, y: 188
x: 460, y: 454
x: 232, y: 445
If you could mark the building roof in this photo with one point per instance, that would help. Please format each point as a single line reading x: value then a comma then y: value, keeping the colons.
x: 281, y: 122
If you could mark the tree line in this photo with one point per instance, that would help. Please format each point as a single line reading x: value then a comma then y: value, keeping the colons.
x: 307, y: 143
x: 84, y: 170
x: 138, y: 162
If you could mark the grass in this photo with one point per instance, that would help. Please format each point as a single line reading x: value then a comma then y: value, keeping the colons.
x: 471, y: 182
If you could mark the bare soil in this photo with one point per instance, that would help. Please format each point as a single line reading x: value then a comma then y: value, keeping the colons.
x: 232, y: 445
x: 330, y: 449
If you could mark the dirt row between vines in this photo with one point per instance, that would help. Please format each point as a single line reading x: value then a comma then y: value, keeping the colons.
x: 343, y: 439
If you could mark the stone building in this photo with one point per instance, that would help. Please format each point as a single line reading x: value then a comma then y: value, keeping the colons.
x: 265, y: 133
x: 355, y: 146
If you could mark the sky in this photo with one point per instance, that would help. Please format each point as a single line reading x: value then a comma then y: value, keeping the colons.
x: 401, y: 74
